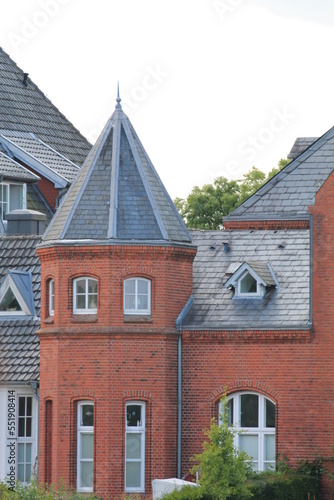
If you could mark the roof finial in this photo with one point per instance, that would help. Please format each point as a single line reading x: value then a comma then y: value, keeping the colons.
x: 118, y: 100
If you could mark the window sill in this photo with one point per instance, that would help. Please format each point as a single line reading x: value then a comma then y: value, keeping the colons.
x: 49, y: 320
x: 84, y: 318
x: 137, y: 318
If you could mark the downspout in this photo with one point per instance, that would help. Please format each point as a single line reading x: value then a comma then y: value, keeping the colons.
x: 311, y: 270
x: 179, y: 320
x: 34, y: 386
x: 179, y: 402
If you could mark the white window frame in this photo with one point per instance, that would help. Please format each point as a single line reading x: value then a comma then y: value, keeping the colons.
x: 136, y: 310
x: 23, y: 441
x: 81, y: 429
x: 8, y: 203
x: 261, y: 431
x: 258, y: 292
x: 51, y: 297
x: 86, y: 309
x: 139, y: 429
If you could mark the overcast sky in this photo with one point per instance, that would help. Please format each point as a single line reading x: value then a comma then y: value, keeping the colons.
x: 212, y: 87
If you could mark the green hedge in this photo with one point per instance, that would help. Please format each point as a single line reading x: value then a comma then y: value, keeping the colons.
x: 271, y: 486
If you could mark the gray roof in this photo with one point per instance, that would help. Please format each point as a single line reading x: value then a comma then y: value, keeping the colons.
x: 290, y: 192
x: 300, y: 145
x: 27, y: 109
x: 28, y: 148
x: 19, y: 346
x: 285, y: 306
x: 10, y: 169
x: 118, y: 195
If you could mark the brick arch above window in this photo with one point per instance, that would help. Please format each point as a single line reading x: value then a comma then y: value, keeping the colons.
x: 244, y: 385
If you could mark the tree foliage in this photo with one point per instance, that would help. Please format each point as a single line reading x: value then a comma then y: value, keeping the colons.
x: 223, y: 469
x: 205, y: 207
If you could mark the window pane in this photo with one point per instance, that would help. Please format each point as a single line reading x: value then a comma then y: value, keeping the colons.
x: 28, y: 472
x: 29, y: 407
x: 20, y: 452
x: 87, y: 446
x: 81, y: 286
x: 130, y: 302
x: 22, y: 407
x: 9, y: 302
x: 86, y: 476
x: 20, y: 473
x: 133, y: 445
x: 87, y: 415
x: 130, y: 286
x: 92, y: 286
x: 142, y: 287
x: 142, y: 302
x: 248, y: 284
x: 249, y: 444
x: 269, y: 447
x: 133, y: 474
x: 133, y: 415
x: 16, y: 196
x: 28, y: 427
x: 249, y: 410
x: 28, y: 452
x: 21, y: 427
x: 269, y: 413
x: 81, y: 303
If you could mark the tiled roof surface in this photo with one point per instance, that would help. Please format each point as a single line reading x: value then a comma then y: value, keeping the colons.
x: 10, y: 169
x: 300, y: 145
x: 118, y: 195
x: 293, y: 189
x: 284, y: 307
x: 19, y: 346
x: 27, y: 107
x: 37, y: 149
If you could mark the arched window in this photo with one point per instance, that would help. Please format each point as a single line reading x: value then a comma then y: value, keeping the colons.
x: 85, y: 296
x: 254, y: 415
x: 51, y: 297
x: 137, y: 296
x: 85, y: 446
x: 135, y: 446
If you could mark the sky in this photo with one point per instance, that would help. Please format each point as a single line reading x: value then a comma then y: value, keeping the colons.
x: 212, y: 87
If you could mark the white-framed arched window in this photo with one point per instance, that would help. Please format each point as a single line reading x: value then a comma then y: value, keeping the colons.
x: 254, y: 416
x: 51, y: 297
x: 135, y: 413
x: 137, y: 296
x: 85, y: 446
x: 85, y: 295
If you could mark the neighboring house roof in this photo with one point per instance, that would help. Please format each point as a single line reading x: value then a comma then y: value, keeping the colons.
x: 11, y: 170
x: 289, y: 193
x: 300, y: 145
x: 19, y: 346
x: 118, y: 194
x: 29, y: 149
x: 25, y: 108
x: 219, y: 254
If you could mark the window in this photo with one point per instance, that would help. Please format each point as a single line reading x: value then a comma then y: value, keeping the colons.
x: 135, y: 447
x: 247, y: 285
x: 51, y: 297
x: 254, y: 415
x: 85, y: 296
x: 85, y: 446
x: 12, y: 196
x: 25, y: 439
x: 137, y: 296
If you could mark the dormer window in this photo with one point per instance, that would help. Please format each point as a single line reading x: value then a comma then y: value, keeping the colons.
x: 12, y: 197
x: 247, y: 284
x: 16, y: 297
x: 250, y: 279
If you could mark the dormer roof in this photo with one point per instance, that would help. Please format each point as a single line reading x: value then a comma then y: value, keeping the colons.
x: 118, y: 195
x: 11, y: 170
x: 261, y: 271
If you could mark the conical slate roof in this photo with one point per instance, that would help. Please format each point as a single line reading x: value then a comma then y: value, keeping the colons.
x: 117, y: 195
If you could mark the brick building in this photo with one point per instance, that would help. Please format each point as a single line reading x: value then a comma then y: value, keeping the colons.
x: 144, y: 325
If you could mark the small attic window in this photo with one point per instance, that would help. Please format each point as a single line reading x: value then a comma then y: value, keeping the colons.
x: 9, y: 303
x: 247, y: 285
x: 16, y: 297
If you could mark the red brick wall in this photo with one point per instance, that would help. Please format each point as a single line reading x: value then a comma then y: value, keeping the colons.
x: 111, y: 361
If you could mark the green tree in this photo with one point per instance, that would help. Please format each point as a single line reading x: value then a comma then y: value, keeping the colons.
x: 205, y: 207
x: 222, y: 468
